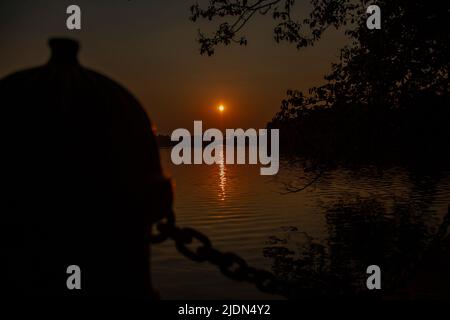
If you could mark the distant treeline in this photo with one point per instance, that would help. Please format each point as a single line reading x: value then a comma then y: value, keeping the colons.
x: 164, y: 141
x: 420, y: 131
x: 387, y: 97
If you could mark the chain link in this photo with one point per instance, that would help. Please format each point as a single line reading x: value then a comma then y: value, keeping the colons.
x: 230, y: 264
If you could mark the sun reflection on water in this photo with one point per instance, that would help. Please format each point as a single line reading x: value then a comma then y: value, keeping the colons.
x: 222, y: 176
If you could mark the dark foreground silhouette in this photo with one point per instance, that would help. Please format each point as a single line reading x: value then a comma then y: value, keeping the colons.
x: 80, y: 178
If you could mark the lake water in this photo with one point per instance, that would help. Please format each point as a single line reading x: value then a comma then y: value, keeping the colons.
x: 346, y: 216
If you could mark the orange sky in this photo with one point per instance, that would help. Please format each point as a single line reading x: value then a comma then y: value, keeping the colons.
x: 150, y: 48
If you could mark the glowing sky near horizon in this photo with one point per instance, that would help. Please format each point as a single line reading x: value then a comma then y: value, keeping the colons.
x: 150, y: 48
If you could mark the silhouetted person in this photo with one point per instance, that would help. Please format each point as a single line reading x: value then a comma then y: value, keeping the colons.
x: 81, y: 181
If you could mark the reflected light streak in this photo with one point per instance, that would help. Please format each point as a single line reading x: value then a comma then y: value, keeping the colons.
x: 222, y: 176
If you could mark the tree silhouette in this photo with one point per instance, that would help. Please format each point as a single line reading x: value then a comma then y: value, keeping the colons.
x: 323, y: 15
x: 382, y: 73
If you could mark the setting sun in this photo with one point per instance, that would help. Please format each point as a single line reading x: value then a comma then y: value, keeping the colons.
x: 221, y: 108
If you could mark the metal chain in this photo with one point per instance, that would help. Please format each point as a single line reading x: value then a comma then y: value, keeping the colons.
x: 230, y: 264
